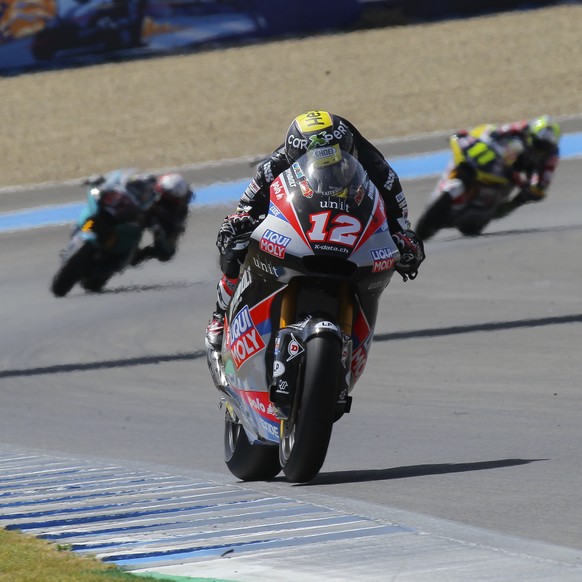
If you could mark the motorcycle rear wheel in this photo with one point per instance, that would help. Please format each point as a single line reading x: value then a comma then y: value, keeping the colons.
x: 72, y: 270
x: 248, y: 462
x: 305, y: 437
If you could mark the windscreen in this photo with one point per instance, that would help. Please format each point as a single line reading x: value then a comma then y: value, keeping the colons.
x: 332, y: 172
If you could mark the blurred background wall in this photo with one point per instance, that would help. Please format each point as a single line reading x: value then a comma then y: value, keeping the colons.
x: 36, y: 34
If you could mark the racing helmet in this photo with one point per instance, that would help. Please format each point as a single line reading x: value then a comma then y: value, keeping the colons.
x: 544, y: 134
x: 173, y: 188
x: 317, y: 129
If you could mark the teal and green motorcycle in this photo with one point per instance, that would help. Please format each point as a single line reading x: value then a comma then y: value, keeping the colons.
x: 105, y: 238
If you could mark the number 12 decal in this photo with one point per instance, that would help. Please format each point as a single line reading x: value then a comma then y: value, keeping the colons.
x: 344, y: 229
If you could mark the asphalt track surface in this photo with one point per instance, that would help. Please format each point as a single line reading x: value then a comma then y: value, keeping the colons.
x: 469, y: 409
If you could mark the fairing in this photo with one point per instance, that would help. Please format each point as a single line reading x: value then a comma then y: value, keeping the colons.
x: 324, y: 245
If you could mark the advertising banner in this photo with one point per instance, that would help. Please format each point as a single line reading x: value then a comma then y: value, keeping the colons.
x: 52, y: 33
x: 55, y: 33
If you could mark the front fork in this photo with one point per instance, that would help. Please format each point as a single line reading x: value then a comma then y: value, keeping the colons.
x: 290, y: 345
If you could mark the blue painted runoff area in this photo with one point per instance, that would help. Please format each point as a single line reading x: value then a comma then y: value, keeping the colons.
x: 407, y: 167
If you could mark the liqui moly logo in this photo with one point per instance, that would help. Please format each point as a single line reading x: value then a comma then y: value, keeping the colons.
x: 245, y: 340
x: 383, y: 259
x: 274, y: 243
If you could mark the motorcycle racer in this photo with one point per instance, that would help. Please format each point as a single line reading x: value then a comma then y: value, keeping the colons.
x: 309, y: 130
x: 167, y: 217
x: 119, y: 196
x: 107, y: 232
x: 534, y: 168
x: 163, y: 201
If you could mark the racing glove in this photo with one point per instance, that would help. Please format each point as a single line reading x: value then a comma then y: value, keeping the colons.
x: 411, y: 253
x: 235, y: 232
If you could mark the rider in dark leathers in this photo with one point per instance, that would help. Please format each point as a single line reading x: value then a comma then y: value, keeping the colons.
x: 307, y: 131
x: 167, y: 217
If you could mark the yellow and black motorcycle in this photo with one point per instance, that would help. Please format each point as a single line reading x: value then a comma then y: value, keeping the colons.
x: 475, y: 185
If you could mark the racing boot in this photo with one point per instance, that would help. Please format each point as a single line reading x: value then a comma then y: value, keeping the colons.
x: 213, y: 341
x: 215, y: 330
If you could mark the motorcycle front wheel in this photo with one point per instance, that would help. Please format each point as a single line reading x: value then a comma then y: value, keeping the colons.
x: 72, y: 270
x: 434, y: 218
x: 305, y: 436
x: 95, y: 284
x: 248, y: 462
